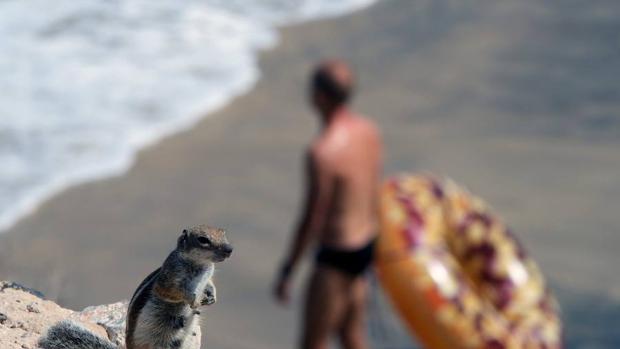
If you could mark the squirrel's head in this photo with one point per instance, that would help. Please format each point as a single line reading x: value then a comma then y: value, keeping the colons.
x: 204, y: 243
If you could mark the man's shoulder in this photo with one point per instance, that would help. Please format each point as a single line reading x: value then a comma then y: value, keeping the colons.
x: 321, y: 149
x: 365, y: 128
x: 326, y: 150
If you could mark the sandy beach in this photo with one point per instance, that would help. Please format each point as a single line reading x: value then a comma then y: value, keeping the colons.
x: 459, y: 88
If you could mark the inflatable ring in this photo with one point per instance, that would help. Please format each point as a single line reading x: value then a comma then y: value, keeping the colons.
x: 455, y: 273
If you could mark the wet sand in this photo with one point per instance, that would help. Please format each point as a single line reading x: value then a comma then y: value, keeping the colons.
x: 500, y: 96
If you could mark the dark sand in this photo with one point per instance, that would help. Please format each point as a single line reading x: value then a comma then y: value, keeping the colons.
x: 518, y: 100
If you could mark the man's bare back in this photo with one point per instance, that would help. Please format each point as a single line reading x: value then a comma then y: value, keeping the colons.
x: 349, y: 151
x: 343, y: 173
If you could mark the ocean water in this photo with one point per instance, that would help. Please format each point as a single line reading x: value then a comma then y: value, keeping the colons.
x: 86, y: 84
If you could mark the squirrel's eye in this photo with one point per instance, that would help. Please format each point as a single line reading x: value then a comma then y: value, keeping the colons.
x: 203, y: 240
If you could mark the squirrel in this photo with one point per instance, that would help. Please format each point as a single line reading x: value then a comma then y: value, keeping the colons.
x: 163, y: 312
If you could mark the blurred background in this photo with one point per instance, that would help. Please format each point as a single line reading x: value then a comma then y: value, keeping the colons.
x: 121, y: 122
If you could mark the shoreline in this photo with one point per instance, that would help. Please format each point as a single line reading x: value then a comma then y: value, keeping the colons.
x: 433, y: 86
x: 27, y: 205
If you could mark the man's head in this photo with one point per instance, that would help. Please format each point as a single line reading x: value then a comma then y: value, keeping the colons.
x: 331, y: 86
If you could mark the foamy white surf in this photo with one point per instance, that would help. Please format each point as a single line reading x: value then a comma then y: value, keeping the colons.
x: 86, y: 84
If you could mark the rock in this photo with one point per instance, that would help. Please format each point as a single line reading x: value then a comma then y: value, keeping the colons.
x: 111, y: 317
x: 15, y: 286
x: 25, y: 316
x: 32, y: 308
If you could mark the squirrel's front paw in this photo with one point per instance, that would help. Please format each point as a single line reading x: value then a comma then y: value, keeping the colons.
x: 209, y: 298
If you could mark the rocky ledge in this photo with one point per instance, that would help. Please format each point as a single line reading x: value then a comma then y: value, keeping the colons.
x: 25, y: 316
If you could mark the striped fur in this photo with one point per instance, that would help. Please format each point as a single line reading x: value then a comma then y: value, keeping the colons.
x: 69, y: 335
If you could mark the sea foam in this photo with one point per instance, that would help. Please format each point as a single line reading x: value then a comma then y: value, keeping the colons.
x: 87, y: 84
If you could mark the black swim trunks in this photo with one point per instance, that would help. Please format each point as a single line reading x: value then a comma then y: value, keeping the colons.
x: 352, y: 262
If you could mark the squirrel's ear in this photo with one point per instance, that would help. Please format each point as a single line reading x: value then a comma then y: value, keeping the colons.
x: 182, y: 241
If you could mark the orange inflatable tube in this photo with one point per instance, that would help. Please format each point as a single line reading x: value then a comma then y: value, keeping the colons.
x: 455, y: 273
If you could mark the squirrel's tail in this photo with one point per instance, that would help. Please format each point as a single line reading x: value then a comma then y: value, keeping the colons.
x: 68, y: 335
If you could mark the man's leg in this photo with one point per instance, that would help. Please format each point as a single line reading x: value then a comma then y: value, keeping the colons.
x: 326, y: 303
x: 352, y: 332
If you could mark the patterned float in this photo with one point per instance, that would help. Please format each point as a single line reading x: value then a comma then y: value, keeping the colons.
x: 456, y: 274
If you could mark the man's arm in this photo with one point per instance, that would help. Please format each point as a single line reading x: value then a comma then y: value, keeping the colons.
x: 319, y: 192
x: 319, y: 188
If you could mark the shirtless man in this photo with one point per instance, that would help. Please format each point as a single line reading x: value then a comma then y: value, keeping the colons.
x: 343, y: 170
